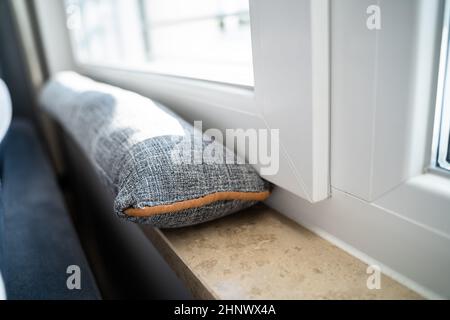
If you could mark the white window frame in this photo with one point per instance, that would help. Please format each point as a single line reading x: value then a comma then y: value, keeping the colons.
x: 291, y: 92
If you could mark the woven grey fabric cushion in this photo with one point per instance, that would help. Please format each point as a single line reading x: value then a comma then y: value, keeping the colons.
x: 136, y: 146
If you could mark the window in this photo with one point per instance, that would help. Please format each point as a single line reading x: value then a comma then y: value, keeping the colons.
x: 204, y: 39
x: 442, y: 135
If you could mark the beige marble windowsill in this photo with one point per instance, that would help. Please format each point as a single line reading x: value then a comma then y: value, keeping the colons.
x: 259, y: 254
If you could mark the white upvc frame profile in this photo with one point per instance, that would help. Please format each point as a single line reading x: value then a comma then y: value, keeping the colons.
x: 292, y: 88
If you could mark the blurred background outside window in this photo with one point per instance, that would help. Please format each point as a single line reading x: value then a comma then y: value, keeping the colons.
x: 203, y: 39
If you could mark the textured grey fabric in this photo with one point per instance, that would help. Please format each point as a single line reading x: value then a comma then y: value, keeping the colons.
x: 131, y: 142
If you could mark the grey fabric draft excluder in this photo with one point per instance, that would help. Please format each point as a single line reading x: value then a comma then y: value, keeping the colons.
x: 136, y: 145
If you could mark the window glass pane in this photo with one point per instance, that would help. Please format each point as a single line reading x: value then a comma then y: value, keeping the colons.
x: 448, y: 152
x: 207, y: 39
x: 443, y: 99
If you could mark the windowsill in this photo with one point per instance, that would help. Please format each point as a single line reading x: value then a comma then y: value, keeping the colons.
x: 259, y: 254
